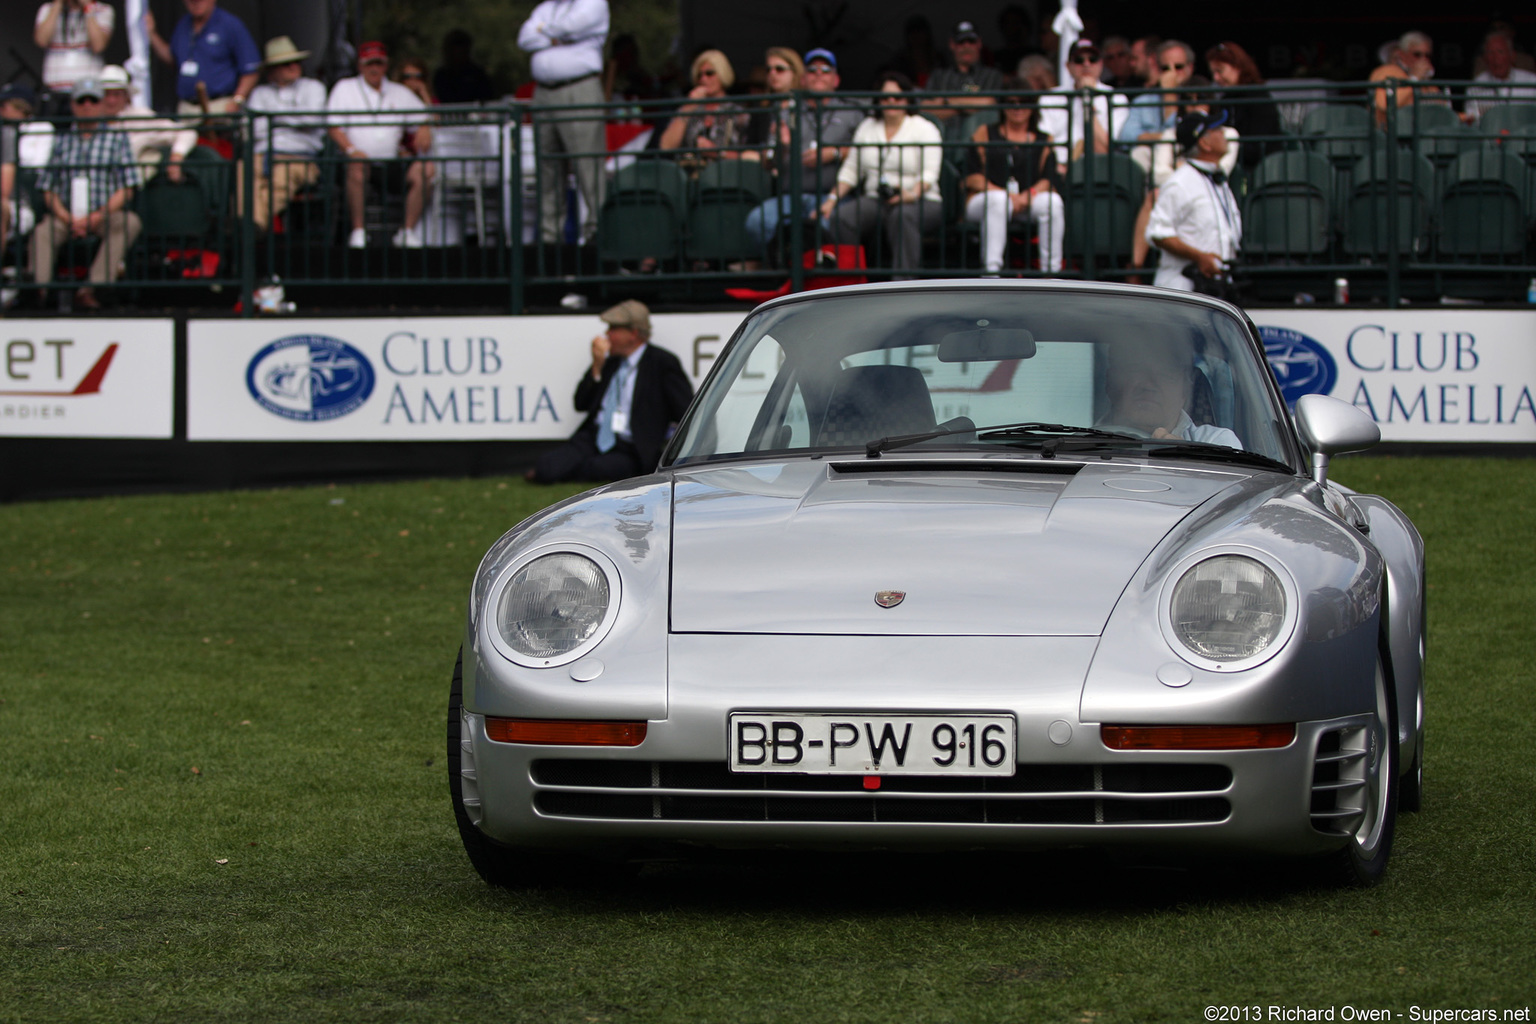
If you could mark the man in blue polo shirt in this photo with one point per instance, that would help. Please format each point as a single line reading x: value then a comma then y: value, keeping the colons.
x: 212, y: 48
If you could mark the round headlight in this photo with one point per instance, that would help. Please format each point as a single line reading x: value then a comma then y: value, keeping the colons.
x: 1228, y: 608
x: 553, y: 605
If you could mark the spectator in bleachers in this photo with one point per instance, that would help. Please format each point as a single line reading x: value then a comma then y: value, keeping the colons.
x: 709, y: 121
x: 1518, y: 57
x: 211, y: 49
x: 16, y: 104
x: 101, y: 158
x: 1253, y: 114
x: 412, y: 73
x: 1196, y: 222
x: 826, y: 128
x: 1410, y: 65
x: 1011, y: 178
x: 564, y: 42
x: 1062, y: 116
x: 1152, y: 113
x: 1144, y: 69
x: 1500, y: 81
x: 290, y: 135
x: 395, y: 116
x: 968, y: 76
x: 1036, y: 73
x: 893, y: 166
x: 459, y: 79
x: 149, y: 136
x: 73, y: 34
x: 1117, y: 64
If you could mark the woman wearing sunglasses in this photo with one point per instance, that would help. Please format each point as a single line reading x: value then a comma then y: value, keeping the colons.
x: 708, y: 123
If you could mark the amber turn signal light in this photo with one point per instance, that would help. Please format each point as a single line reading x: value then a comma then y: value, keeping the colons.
x: 575, y: 734
x: 1197, y: 737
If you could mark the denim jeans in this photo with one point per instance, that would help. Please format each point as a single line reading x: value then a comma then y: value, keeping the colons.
x: 763, y: 222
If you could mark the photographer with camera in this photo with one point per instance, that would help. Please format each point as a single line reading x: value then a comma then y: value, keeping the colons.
x: 1195, y: 221
x: 894, y: 161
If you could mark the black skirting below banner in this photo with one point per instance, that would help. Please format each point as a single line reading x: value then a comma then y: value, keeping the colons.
x: 39, y: 469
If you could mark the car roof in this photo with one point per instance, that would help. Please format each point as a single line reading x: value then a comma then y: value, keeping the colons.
x: 981, y: 286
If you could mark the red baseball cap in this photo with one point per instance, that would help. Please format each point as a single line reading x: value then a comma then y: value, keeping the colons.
x: 372, y: 51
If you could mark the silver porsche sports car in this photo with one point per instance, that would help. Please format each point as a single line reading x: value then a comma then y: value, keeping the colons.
x: 957, y: 565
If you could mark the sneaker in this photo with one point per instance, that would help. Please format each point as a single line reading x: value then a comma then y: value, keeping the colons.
x: 358, y: 239
x: 8, y: 297
x: 408, y: 238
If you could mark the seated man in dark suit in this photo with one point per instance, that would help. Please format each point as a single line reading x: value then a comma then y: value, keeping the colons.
x: 633, y: 395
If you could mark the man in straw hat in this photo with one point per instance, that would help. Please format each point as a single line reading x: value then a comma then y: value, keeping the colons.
x: 290, y: 136
x: 634, y: 393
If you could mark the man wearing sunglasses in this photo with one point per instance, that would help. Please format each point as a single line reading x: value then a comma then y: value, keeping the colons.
x: 1062, y: 117
x: 826, y: 128
x: 86, y: 187
x: 1153, y: 113
x: 1409, y: 66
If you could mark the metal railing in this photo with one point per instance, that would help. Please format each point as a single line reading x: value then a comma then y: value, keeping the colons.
x: 1417, y: 205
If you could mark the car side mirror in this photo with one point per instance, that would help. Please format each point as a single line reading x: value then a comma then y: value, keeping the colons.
x: 1330, y: 426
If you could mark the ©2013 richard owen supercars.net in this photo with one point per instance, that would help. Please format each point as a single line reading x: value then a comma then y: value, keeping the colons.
x: 957, y: 565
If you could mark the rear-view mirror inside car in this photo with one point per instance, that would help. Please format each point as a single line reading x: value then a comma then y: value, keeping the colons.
x: 986, y: 345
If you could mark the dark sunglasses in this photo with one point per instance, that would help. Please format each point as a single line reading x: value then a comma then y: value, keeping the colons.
x: 87, y: 99
x: 1084, y: 58
x: 780, y: 68
x: 820, y: 69
x: 1175, y: 67
x: 411, y: 74
x: 706, y: 72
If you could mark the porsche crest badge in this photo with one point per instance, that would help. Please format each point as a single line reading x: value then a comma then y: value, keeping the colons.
x: 889, y: 598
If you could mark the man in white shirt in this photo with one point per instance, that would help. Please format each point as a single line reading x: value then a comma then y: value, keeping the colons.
x: 372, y: 118
x: 147, y: 133
x: 1062, y: 117
x: 1501, y: 82
x: 564, y: 40
x: 1195, y: 221
x: 289, y: 138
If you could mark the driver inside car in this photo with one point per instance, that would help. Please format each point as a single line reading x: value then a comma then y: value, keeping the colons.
x: 1150, y: 383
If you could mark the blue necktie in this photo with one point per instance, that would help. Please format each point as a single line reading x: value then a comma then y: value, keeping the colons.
x: 611, y: 399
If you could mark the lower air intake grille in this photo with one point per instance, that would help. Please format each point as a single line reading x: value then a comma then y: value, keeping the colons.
x: 1034, y: 795
x: 1338, y: 780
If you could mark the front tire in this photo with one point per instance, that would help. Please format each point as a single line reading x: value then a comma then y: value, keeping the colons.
x: 1364, y: 860
x: 496, y: 864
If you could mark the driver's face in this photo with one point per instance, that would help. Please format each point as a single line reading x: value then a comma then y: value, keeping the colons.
x: 1148, y: 386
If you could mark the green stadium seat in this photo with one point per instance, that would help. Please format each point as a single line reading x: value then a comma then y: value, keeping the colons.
x: 1385, y: 185
x: 1506, y: 117
x: 1484, y: 208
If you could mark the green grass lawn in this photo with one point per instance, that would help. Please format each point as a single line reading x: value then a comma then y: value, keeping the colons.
x: 223, y: 797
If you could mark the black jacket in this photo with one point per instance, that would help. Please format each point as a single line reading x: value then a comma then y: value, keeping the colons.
x: 662, y: 393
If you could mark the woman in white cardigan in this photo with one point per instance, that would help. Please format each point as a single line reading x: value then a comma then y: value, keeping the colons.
x: 889, y: 182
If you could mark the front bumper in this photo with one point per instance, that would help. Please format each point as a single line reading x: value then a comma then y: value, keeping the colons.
x: 1068, y: 789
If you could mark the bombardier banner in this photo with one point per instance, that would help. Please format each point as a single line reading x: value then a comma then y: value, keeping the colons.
x: 87, y: 378
x: 418, y: 379
x: 1423, y: 375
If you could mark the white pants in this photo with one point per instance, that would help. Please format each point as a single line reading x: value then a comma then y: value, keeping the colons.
x: 1046, y: 212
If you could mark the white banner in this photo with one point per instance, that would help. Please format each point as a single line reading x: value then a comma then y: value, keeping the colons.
x: 87, y: 378
x: 409, y: 379
x: 1423, y: 375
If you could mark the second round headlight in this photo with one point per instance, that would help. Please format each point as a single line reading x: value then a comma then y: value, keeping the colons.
x: 553, y: 605
x: 1228, y: 608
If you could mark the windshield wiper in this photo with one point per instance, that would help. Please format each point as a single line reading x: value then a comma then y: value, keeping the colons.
x: 1216, y: 453
x: 1028, y: 428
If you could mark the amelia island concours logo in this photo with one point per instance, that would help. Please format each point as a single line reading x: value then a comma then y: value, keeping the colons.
x: 310, y: 377
x: 1301, y: 365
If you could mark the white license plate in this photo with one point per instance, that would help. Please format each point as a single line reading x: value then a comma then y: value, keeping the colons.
x: 855, y: 744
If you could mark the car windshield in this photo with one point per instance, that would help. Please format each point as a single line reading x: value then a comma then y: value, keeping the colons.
x: 988, y: 368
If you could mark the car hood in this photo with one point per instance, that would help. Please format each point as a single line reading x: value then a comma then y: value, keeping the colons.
x: 987, y: 547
